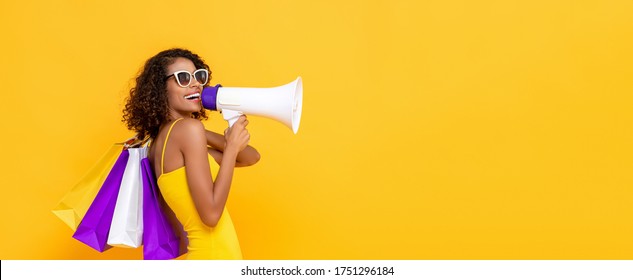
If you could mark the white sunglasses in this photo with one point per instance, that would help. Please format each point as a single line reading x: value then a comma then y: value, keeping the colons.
x: 183, y: 77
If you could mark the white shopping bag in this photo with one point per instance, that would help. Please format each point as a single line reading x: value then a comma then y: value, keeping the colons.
x: 126, y: 229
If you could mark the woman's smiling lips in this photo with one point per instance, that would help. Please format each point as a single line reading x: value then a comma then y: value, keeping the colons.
x: 193, y: 97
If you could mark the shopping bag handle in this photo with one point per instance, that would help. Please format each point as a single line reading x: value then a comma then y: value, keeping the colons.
x: 135, y: 142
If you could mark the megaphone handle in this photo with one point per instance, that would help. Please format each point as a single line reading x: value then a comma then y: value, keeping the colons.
x: 231, y: 116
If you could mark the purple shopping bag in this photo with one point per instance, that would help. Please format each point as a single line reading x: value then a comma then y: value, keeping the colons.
x: 94, y: 227
x: 161, y: 239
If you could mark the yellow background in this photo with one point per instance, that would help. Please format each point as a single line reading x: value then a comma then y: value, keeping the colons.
x: 430, y: 130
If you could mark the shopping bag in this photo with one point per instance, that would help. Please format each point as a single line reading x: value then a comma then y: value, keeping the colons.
x: 94, y: 227
x: 126, y: 229
x: 72, y: 208
x: 160, y: 240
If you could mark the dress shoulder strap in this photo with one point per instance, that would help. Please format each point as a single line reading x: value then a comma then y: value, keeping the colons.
x: 162, y: 155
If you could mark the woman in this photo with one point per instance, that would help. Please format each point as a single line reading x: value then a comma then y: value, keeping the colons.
x: 194, y: 166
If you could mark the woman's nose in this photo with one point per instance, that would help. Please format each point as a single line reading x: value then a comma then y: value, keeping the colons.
x: 195, y: 83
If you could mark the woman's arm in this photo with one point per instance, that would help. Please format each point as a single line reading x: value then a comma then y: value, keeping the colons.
x: 217, y: 143
x: 208, y: 196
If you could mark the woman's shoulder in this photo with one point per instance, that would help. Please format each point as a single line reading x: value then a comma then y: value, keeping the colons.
x: 189, y: 123
x: 188, y: 127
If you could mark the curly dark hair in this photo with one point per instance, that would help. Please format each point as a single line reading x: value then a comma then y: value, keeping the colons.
x: 146, y: 108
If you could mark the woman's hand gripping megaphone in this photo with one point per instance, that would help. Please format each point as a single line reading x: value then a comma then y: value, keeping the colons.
x: 237, y: 136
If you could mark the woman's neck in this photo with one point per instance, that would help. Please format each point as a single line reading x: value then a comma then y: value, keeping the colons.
x: 174, y: 115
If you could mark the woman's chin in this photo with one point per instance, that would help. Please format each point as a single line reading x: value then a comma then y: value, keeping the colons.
x: 196, y: 106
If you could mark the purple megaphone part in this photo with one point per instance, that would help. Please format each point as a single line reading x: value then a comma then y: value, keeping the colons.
x: 209, y: 97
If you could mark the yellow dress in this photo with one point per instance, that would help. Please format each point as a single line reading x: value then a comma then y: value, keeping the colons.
x: 219, y: 242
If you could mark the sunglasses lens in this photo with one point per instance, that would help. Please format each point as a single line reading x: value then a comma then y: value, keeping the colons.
x: 183, y: 79
x: 202, y: 76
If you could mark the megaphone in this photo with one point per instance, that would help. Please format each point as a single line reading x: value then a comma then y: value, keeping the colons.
x: 282, y: 103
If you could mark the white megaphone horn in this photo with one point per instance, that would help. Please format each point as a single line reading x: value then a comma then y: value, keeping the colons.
x: 282, y: 103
